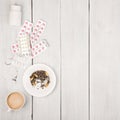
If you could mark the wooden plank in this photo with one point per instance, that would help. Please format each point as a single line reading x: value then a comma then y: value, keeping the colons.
x: 49, y: 107
x: 7, y: 37
x: 74, y: 36
x: 105, y: 60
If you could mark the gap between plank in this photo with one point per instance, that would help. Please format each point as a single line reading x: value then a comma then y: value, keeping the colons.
x: 60, y: 60
x: 32, y: 60
x: 89, y: 87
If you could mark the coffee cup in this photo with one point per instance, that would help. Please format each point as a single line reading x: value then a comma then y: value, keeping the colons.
x: 15, y: 101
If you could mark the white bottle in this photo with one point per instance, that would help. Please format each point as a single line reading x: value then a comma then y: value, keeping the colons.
x: 15, y: 15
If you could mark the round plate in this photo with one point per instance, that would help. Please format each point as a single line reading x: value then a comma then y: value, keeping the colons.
x: 39, y: 92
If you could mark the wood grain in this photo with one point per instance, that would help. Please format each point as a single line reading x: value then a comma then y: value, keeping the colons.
x: 7, y: 37
x: 74, y: 43
x: 49, y: 107
x: 105, y: 60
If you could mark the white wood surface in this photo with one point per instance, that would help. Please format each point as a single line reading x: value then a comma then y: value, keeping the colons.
x: 105, y: 59
x: 68, y: 53
x: 7, y: 37
x: 74, y: 38
x: 49, y: 107
x: 67, y: 35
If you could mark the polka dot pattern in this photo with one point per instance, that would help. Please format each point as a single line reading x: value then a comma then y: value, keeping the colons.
x: 36, y: 47
x: 26, y: 28
x: 15, y: 48
x: 37, y: 31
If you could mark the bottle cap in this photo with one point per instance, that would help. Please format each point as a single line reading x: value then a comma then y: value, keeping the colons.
x: 16, y: 7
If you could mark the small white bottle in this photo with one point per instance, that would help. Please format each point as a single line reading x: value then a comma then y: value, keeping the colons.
x: 15, y: 15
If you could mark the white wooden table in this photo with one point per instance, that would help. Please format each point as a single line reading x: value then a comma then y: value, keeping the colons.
x: 84, y: 38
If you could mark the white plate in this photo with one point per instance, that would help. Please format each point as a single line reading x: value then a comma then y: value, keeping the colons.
x: 39, y: 92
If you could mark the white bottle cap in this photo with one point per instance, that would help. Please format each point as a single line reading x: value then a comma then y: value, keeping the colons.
x: 16, y: 7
